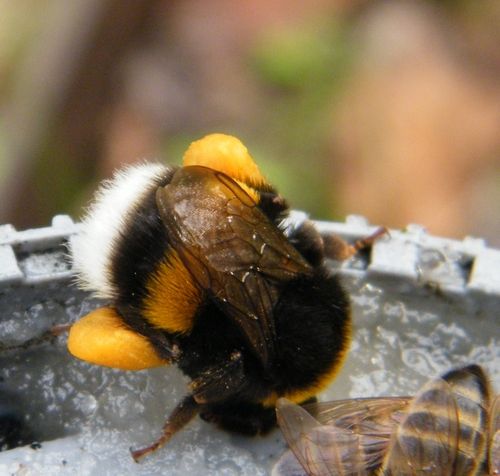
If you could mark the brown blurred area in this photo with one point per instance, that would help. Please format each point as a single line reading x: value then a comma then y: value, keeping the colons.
x: 390, y: 109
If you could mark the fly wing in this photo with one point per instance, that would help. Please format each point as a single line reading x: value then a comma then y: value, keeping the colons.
x: 232, y: 250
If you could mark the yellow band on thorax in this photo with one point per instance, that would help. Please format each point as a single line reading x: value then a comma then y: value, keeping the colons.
x: 172, y: 297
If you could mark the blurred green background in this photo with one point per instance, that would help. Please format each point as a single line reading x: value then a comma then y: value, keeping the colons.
x: 390, y: 109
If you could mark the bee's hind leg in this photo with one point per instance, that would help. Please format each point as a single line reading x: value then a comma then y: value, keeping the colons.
x: 47, y: 336
x: 181, y: 416
x: 213, y: 385
x: 220, y: 382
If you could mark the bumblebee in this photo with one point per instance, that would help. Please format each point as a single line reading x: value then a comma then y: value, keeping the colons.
x: 200, y: 272
x: 451, y: 427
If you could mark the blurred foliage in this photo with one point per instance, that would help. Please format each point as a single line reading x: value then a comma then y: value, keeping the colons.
x: 311, y: 89
x: 303, y: 58
x: 305, y: 69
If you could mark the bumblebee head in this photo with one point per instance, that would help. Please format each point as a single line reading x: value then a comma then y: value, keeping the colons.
x: 228, y: 155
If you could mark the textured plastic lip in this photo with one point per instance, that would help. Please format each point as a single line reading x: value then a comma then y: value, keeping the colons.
x: 34, y: 263
x: 411, y: 258
x: 18, y: 248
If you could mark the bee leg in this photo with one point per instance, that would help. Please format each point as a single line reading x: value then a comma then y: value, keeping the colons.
x: 338, y: 249
x: 220, y: 382
x: 213, y: 391
x: 60, y: 329
x: 181, y: 416
x: 217, y: 386
x: 214, y: 384
x: 46, y: 336
x: 308, y: 242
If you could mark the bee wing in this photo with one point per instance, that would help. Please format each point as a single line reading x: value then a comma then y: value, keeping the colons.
x: 353, y: 439
x: 426, y: 442
x: 233, y: 251
x: 319, y: 452
x: 360, y: 411
x: 494, y: 451
x: 288, y: 465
